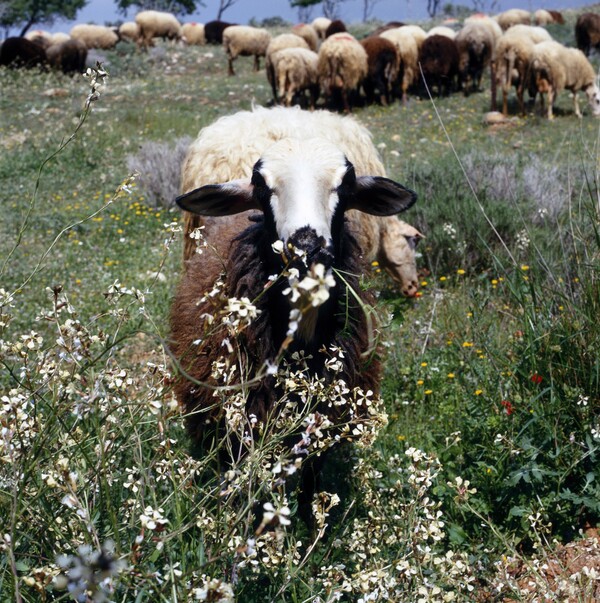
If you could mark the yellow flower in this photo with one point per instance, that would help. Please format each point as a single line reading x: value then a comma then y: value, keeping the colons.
x: 423, y: 283
x: 442, y: 278
x: 467, y: 344
x: 450, y: 375
x: 460, y: 271
x: 374, y: 263
x: 420, y: 382
x: 423, y: 364
x: 524, y: 267
x: 478, y: 392
x: 428, y: 392
x: 401, y: 438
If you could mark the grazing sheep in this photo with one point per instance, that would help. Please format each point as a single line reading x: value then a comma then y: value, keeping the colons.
x: 512, y: 17
x: 388, y: 25
x: 557, y: 16
x: 129, y: 31
x: 193, y: 34
x: 542, y: 17
x: 213, y: 31
x: 59, y: 37
x: 442, y: 30
x: 69, y: 56
x: 476, y: 42
x: 513, y: 55
x: 157, y: 24
x: 382, y: 58
x: 285, y: 40
x: 587, y: 32
x: 336, y: 26
x: 21, y: 52
x: 308, y: 34
x: 555, y: 67
x: 439, y: 63
x: 95, y: 36
x: 418, y: 33
x: 244, y: 40
x: 302, y: 182
x: 296, y: 71
x: 342, y: 68
x: 408, y: 57
x: 320, y: 25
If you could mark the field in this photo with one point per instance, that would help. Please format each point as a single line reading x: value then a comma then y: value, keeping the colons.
x: 486, y: 463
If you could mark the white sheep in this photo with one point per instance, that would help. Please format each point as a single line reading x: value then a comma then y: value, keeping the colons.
x: 513, y: 56
x: 157, y: 24
x: 556, y: 67
x: 193, y: 33
x: 408, y: 55
x: 542, y: 17
x: 342, y: 67
x: 244, y: 40
x: 59, y: 37
x: 129, y: 31
x: 308, y: 34
x: 95, y: 36
x: 442, y: 30
x: 285, y: 40
x: 512, y: 17
x: 417, y: 32
x: 486, y: 21
x: 320, y: 25
x: 296, y: 71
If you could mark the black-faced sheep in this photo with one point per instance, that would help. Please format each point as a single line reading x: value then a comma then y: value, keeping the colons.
x: 244, y: 40
x: 383, y: 65
x: 302, y: 184
x: 555, y: 67
x: 285, y: 40
x: 21, y: 52
x: 69, y: 56
x: 439, y: 63
x: 95, y: 36
x: 587, y: 32
x: 336, y: 26
x: 213, y: 31
x: 342, y: 68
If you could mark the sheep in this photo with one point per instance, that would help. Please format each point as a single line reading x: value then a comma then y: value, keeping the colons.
x: 386, y: 26
x: 95, y: 36
x: 408, y: 56
x: 342, y: 67
x: 157, y: 24
x: 59, y: 37
x: 69, y: 56
x: 296, y: 71
x: 301, y: 182
x: 193, y: 33
x: 285, y: 40
x: 442, y: 30
x: 438, y: 58
x: 382, y: 58
x: 40, y: 37
x: 555, y: 67
x: 557, y: 17
x: 244, y: 40
x: 129, y: 31
x: 213, y: 31
x: 587, y: 32
x: 21, y: 52
x: 513, y: 55
x: 512, y: 17
x: 476, y: 42
x: 542, y: 17
x: 418, y: 33
x: 308, y: 34
x: 320, y: 25
x: 336, y: 26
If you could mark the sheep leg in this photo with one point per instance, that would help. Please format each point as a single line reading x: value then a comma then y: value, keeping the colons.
x: 551, y: 95
x: 576, y: 104
x: 230, y: 63
x: 256, y: 63
x: 345, y: 103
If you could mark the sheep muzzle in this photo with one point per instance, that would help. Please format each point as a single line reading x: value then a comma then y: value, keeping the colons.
x: 305, y: 249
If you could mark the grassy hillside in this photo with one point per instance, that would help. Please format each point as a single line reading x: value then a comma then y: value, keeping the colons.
x: 492, y: 387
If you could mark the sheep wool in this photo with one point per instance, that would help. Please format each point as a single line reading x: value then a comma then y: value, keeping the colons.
x: 342, y: 66
x: 95, y: 36
x: 129, y: 31
x: 244, y: 40
x: 157, y: 24
x: 512, y: 17
x: 408, y: 55
x: 295, y: 72
x: 320, y: 25
x: 308, y: 34
x: 193, y: 33
x: 285, y: 40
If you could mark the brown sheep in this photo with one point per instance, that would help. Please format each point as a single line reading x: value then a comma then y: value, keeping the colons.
x: 21, y: 52
x: 336, y: 26
x: 382, y: 60
x: 69, y: 56
x: 587, y: 32
x: 439, y: 63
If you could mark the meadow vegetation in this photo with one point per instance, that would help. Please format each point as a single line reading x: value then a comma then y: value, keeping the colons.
x: 467, y: 486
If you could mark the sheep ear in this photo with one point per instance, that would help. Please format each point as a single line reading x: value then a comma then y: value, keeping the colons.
x: 381, y: 196
x: 226, y: 199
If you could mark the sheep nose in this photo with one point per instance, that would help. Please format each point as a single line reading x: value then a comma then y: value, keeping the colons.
x: 313, y: 245
x: 411, y: 289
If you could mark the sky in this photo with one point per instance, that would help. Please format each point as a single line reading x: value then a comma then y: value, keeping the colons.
x: 101, y: 11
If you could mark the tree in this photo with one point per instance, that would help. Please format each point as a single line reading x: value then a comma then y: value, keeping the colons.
x: 223, y: 6
x: 368, y: 6
x: 24, y: 13
x: 177, y: 7
x: 432, y: 7
x: 331, y: 8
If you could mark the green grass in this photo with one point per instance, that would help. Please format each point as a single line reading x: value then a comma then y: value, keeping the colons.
x: 492, y: 371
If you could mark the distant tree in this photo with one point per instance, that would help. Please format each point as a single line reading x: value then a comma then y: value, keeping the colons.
x: 305, y: 8
x: 177, y: 7
x: 331, y: 8
x: 368, y: 6
x: 481, y: 6
x: 25, y: 13
x: 223, y: 6
x: 432, y: 7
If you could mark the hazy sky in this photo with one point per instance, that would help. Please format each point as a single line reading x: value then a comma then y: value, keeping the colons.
x: 99, y: 11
